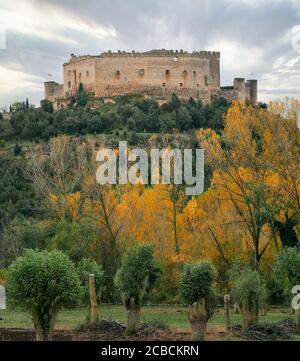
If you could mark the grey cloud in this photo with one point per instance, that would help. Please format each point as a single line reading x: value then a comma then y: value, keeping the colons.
x: 143, y: 25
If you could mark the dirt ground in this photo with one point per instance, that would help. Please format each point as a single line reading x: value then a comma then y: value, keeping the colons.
x: 15, y: 334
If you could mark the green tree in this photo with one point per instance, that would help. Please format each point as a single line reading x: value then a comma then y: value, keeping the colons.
x: 86, y: 267
x: 82, y: 96
x: 287, y: 270
x: 47, y: 106
x: 132, y: 280
x: 196, y: 289
x: 249, y: 291
x: 42, y: 283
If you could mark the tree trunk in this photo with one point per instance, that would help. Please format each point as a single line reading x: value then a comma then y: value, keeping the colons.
x: 133, y: 318
x: 250, y: 311
x: 43, y: 335
x: 227, y: 312
x: 297, y: 321
x: 198, y: 319
x: 94, y: 307
x: 236, y: 309
x: 44, y: 324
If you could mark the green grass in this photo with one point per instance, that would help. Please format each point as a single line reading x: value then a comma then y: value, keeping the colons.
x: 173, y: 316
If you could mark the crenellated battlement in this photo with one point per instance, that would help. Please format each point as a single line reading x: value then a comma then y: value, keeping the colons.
x: 156, y: 73
x: 150, y: 53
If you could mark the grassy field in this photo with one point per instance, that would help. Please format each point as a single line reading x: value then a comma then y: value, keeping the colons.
x: 175, y: 317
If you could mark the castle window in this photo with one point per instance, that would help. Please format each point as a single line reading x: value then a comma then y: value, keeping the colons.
x: 163, y: 84
x: 141, y: 72
x: 69, y: 72
x: 184, y: 73
x: 181, y: 84
x: 167, y: 72
x: 79, y: 75
x: 194, y: 72
x: 118, y: 73
x: 87, y: 73
x: 197, y: 85
x: 69, y: 84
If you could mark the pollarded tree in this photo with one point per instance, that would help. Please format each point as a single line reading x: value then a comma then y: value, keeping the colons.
x: 249, y: 291
x: 287, y: 275
x: 196, y: 288
x: 86, y: 267
x: 133, y: 280
x: 42, y: 282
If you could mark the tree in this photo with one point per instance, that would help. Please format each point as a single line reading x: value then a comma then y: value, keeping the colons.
x: 42, y: 283
x: 84, y: 268
x: 248, y: 292
x: 132, y: 279
x: 287, y: 272
x: 241, y: 174
x: 183, y: 118
x: 196, y: 288
x: 47, y: 106
x: 82, y: 96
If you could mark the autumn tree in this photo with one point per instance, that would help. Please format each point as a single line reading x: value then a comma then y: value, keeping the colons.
x: 241, y: 174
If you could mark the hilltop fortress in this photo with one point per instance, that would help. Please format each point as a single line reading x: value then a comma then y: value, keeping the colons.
x: 156, y: 73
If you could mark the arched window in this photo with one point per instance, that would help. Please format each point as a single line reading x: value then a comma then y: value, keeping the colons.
x: 167, y: 72
x: 181, y: 84
x: 69, y: 84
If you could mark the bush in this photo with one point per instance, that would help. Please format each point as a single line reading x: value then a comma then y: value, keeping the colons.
x: 249, y: 291
x: 196, y: 289
x: 42, y: 283
x: 132, y: 280
x: 47, y: 106
x: 84, y: 268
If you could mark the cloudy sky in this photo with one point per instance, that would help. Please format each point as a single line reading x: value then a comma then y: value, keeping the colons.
x: 259, y: 38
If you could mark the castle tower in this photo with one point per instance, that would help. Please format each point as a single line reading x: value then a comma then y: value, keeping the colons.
x: 240, y: 88
x: 49, y: 89
x: 252, y: 85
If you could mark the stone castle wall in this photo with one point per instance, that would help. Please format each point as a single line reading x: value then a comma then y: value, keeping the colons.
x: 157, y: 73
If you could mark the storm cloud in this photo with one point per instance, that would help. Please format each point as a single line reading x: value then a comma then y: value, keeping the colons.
x: 257, y: 38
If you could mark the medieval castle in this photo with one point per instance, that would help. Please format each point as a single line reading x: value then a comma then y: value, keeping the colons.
x: 156, y: 73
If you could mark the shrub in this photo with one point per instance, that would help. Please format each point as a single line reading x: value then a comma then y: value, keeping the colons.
x: 196, y: 289
x: 84, y: 268
x: 42, y: 282
x: 132, y: 280
x: 47, y: 106
x: 249, y: 291
x: 287, y: 270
